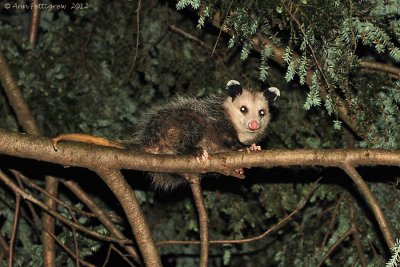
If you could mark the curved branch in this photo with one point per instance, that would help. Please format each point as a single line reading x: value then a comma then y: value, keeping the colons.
x: 372, y: 202
x: 28, y: 124
x: 89, y: 156
x: 101, y: 215
x: 52, y: 212
x: 126, y: 197
x: 381, y: 67
x: 275, y: 227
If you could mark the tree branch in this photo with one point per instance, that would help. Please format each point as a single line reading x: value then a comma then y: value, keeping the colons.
x: 28, y: 124
x: 53, y: 213
x: 101, y: 215
x: 372, y: 202
x: 34, y: 23
x: 89, y: 156
x: 203, y: 217
x: 126, y: 197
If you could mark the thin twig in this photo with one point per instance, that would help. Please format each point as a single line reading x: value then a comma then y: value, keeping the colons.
x: 203, y: 217
x: 14, y: 229
x: 52, y: 212
x: 137, y: 37
x: 220, y: 30
x: 34, y: 23
x: 101, y: 215
x: 333, y: 220
x: 276, y: 226
x: 356, y: 235
x: 335, y: 245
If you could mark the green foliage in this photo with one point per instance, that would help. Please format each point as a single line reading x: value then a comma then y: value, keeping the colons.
x: 82, y: 77
x: 395, y: 259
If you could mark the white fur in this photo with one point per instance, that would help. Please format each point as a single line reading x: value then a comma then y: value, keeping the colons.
x: 254, y: 102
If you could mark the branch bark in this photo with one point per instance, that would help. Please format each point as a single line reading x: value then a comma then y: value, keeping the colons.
x: 203, y: 217
x: 34, y: 23
x: 89, y: 156
x: 28, y: 124
x: 126, y: 197
x: 372, y: 202
x: 102, y: 216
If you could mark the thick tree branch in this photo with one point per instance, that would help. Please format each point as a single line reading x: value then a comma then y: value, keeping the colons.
x: 126, y: 197
x: 28, y: 124
x: 89, y: 156
x: 372, y: 202
x: 101, y: 215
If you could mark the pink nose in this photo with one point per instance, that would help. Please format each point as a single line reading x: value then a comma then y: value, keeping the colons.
x: 254, y: 125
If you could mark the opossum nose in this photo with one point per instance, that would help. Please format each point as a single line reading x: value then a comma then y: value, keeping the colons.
x: 254, y: 125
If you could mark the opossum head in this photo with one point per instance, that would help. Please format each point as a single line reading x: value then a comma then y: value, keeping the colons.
x: 248, y: 110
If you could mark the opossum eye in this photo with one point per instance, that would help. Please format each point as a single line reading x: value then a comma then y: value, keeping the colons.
x: 243, y: 109
x: 261, y: 113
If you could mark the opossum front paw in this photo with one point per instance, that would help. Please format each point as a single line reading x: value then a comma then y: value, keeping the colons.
x: 239, y: 171
x: 202, y: 155
x: 253, y: 147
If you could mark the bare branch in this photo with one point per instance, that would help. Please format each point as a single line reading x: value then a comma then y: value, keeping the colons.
x: 372, y: 202
x: 52, y: 212
x: 203, y: 217
x: 34, y: 23
x: 14, y: 229
x: 275, y: 227
x: 126, y: 197
x: 28, y: 124
x: 101, y: 215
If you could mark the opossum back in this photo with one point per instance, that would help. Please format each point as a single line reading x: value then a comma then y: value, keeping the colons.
x: 177, y: 125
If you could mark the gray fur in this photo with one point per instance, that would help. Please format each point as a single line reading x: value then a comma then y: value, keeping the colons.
x: 186, y: 125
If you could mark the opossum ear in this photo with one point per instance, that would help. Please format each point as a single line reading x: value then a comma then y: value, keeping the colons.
x: 271, y: 95
x: 234, y: 89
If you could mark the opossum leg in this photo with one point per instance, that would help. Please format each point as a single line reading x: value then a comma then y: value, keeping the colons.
x: 202, y: 156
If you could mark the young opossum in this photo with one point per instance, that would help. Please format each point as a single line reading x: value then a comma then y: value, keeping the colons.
x: 186, y: 125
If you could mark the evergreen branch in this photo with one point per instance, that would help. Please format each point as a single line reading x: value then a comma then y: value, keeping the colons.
x: 395, y: 258
x: 260, y: 43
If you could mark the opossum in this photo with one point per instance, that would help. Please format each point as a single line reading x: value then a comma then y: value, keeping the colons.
x: 187, y: 125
